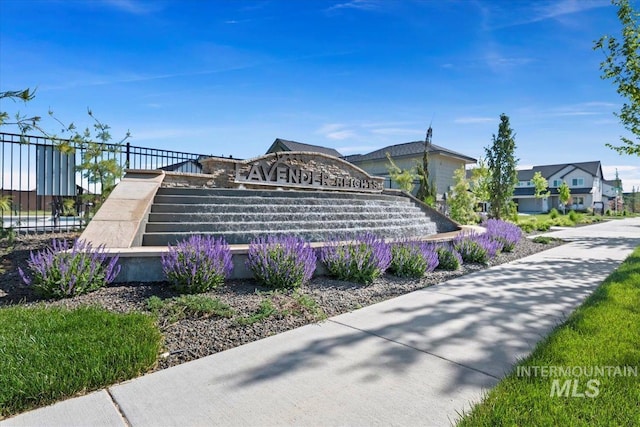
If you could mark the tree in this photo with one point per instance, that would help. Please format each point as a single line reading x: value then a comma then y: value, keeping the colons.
x: 502, y: 170
x: 403, y: 177
x: 426, y: 189
x: 622, y: 65
x: 564, y: 193
x: 99, y: 163
x: 461, y: 200
x: 479, y: 183
x: 540, y: 186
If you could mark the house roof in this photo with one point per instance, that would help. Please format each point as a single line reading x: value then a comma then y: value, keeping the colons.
x: 407, y: 149
x: 593, y: 168
x: 286, y: 145
x: 194, y: 164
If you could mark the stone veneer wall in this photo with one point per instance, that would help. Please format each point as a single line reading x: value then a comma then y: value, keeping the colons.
x: 328, y: 169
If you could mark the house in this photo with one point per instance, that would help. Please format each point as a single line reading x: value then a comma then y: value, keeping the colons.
x: 612, y: 194
x: 585, y: 180
x: 442, y: 163
x: 285, y: 145
x: 187, y: 166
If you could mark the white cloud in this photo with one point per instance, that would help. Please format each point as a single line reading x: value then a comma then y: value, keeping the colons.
x: 356, y: 4
x: 540, y: 10
x: 336, y: 131
x: 555, y: 9
x: 136, y: 7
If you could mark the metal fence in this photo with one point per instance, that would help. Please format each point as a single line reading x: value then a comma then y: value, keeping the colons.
x: 43, y: 188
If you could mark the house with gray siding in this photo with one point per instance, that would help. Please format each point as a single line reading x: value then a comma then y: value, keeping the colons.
x: 585, y: 180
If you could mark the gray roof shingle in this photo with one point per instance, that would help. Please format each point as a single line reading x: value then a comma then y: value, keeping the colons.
x: 300, y: 146
x: 407, y: 149
x: 547, y: 171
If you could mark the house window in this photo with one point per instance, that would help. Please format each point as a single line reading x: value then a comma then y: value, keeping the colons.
x: 556, y: 183
x: 578, y: 201
x: 577, y: 182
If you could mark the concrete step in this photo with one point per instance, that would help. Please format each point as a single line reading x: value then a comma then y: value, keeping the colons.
x: 260, y: 226
x: 324, y: 215
x: 229, y: 192
x: 275, y: 200
x: 243, y: 237
x: 237, y: 207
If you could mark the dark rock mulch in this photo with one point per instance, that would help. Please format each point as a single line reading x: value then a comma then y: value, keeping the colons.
x: 191, y: 337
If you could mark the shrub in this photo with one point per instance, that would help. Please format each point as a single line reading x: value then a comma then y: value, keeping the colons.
x: 543, y: 225
x: 412, y: 259
x: 61, y: 271
x: 504, y: 232
x: 281, y: 262
x: 545, y: 240
x: 476, y: 248
x: 563, y: 221
x: 553, y: 213
x: 573, y: 216
x: 528, y: 226
x: 194, y: 306
x: 362, y: 260
x: 197, y: 264
x: 448, y: 258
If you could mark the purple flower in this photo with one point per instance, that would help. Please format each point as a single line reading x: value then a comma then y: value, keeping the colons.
x: 62, y: 271
x: 281, y: 261
x: 197, y: 264
x: 412, y: 258
x: 448, y: 257
x: 508, y: 234
x: 361, y: 260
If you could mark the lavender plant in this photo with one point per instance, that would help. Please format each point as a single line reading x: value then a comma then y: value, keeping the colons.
x: 362, y: 260
x: 197, y: 264
x: 448, y: 258
x: 281, y: 261
x: 61, y: 271
x: 476, y: 248
x: 505, y: 232
x: 412, y: 259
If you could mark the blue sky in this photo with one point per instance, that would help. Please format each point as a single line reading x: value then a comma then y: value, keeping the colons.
x: 228, y: 77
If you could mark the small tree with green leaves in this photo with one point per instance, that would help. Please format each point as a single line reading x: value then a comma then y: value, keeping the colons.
x: 564, y: 194
x: 502, y: 169
x: 479, y: 182
x: 622, y: 65
x: 540, y: 186
x: 461, y: 200
x: 22, y: 122
x: 403, y: 177
x: 99, y: 163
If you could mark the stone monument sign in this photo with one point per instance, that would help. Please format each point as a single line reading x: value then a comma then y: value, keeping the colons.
x: 293, y: 170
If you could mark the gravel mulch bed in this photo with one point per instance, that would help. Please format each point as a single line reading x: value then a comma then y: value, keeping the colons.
x: 192, y: 336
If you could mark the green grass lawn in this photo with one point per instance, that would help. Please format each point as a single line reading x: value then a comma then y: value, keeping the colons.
x: 48, y: 354
x: 603, y: 332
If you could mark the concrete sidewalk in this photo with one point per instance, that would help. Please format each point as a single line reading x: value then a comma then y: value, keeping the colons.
x: 419, y: 359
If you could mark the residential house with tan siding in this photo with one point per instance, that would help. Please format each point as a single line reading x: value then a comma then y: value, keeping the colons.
x: 442, y: 163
